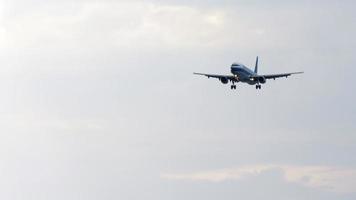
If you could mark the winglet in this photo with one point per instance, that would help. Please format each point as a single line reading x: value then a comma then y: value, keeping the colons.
x: 256, y: 66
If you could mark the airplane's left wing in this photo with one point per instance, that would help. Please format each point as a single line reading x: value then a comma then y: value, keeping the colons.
x: 220, y: 77
x: 274, y: 76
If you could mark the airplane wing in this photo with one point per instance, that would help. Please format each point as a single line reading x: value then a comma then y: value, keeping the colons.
x: 226, y: 77
x: 274, y: 76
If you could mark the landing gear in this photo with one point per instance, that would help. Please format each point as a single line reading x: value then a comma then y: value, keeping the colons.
x: 233, y: 87
x: 258, y: 87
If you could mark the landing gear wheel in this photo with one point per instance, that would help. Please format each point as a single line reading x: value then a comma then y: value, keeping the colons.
x: 258, y: 87
x: 233, y: 87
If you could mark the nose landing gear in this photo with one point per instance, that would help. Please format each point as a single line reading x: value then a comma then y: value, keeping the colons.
x: 233, y: 87
x: 258, y: 87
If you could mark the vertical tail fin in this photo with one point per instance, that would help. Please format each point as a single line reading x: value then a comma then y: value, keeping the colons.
x: 256, y: 66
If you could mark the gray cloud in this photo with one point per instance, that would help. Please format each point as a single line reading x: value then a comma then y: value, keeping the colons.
x: 322, y: 177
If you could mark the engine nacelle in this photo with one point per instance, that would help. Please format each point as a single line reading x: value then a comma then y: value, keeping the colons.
x: 224, y: 80
x: 262, y: 80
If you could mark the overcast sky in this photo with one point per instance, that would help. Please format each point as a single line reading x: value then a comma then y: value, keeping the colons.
x: 98, y: 100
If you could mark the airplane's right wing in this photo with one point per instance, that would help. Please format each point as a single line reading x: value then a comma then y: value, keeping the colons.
x: 222, y: 78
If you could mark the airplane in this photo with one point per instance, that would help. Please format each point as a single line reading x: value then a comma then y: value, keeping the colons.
x: 240, y: 73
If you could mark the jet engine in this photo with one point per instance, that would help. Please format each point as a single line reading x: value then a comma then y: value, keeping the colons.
x: 224, y: 80
x: 262, y: 80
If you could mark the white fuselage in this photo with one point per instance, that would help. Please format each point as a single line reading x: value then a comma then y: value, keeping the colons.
x: 243, y: 73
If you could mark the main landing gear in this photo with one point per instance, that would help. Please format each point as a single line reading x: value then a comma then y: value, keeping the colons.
x: 258, y: 87
x: 233, y: 87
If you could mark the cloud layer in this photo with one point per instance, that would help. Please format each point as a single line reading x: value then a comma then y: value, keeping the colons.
x: 322, y: 177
